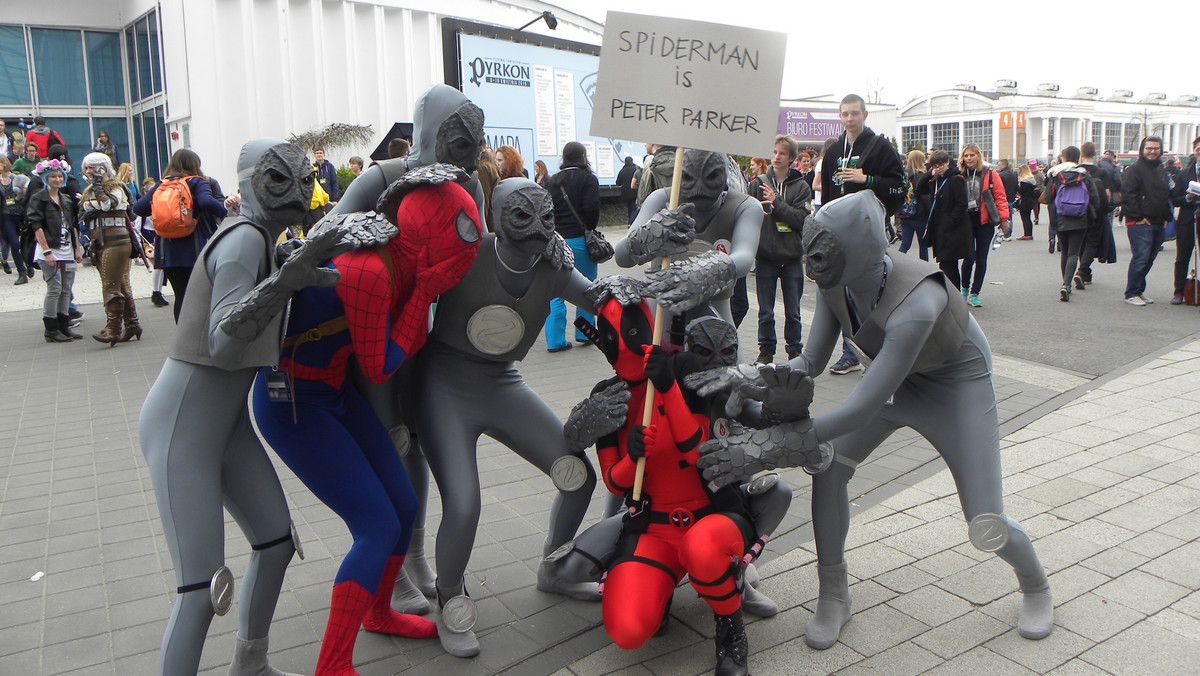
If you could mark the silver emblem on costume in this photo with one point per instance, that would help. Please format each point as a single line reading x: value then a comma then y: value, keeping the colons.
x: 721, y: 428
x: 568, y: 473
x: 220, y: 590
x: 401, y: 439
x: 560, y: 552
x: 495, y: 329
x: 296, y: 541
x: 988, y: 532
x: 459, y: 614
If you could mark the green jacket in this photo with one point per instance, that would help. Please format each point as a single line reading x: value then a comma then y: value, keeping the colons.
x: 658, y: 174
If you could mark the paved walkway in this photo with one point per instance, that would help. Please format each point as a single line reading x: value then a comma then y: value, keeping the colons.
x: 1103, y: 474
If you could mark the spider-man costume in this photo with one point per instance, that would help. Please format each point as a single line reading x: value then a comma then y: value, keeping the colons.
x: 327, y: 434
x: 679, y: 526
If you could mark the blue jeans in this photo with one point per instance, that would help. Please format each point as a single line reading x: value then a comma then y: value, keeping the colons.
x: 1144, y: 240
x: 556, y: 322
x: 791, y: 277
x: 983, y: 235
x: 909, y: 228
x: 8, y: 233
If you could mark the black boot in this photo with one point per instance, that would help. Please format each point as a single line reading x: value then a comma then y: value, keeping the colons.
x: 158, y: 300
x: 733, y: 649
x: 53, y: 335
x: 64, y: 327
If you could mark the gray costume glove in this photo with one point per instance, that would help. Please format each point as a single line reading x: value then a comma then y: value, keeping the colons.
x: 601, y: 414
x: 558, y: 253
x: 690, y: 283
x: 626, y: 290
x: 785, y: 393
x: 667, y: 233
x: 741, y: 454
x: 361, y: 228
x: 251, y: 315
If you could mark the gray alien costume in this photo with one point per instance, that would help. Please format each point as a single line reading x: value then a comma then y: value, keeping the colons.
x: 195, y: 428
x: 715, y: 238
x: 713, y: 343
x: 447, y: 128
x: 468, y: 385
x: 930, y: 370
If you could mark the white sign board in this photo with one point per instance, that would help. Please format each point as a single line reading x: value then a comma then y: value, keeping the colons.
x: 689, y: 83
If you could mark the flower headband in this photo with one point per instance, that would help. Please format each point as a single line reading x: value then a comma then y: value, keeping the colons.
x: 52, y: 165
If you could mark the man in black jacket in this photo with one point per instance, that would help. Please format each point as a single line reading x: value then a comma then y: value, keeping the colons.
x: 1146, y: 205
x: 1185, y: 223
x: 1008, y: 178
x: 1094, y: 239
x: 786, y: 203
x: 860, y: 160
x: 625, y: 183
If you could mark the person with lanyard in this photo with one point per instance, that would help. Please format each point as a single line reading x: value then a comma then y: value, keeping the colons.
x: 987, y: 207
x: 858, y: 160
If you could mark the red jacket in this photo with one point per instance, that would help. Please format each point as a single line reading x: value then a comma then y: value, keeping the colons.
x: 991, y: 179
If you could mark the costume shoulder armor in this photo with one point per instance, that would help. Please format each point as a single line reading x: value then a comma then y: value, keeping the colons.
x: 363, y: 228
x: 430, y: 174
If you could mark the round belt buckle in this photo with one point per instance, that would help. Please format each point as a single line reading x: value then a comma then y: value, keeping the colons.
x: 681, y: 518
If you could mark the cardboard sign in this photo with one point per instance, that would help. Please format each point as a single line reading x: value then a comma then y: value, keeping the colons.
x: 689, y: 83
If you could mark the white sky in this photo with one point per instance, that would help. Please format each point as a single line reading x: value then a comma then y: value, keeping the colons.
x: 911, y: 47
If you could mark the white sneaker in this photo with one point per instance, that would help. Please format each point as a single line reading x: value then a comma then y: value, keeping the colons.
x: 1145, y: 299
x: 1135, y: 300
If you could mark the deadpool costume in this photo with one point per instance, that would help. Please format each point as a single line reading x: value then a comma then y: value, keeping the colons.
x: 678, y: 526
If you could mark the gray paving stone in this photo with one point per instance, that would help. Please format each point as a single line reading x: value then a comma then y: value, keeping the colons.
x: 930, y: 605
x: 1040, y: 656
x: 979, y: 660
x: 1095, y: 617
x: 983, y: 583
x: 961, y: 634
x: 905, y: 659
x: 1145, y: 648
x: 876, y: 629
x: 1181, y: 565
x: 797, y: 659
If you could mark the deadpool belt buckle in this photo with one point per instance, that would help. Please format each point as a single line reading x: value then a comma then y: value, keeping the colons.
x: 681, y: 518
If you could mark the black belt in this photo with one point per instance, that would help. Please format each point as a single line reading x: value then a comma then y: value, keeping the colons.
x: 681, y: 518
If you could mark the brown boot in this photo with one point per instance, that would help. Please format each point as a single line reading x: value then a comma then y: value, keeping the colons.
x: 111, y: 333
x: 132, y: 328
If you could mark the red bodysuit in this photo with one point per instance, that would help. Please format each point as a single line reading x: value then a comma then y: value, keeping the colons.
x: 682, y: 532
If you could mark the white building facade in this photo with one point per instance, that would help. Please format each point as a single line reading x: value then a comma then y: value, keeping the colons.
x: 160, y: 75
x: 1007, y: 124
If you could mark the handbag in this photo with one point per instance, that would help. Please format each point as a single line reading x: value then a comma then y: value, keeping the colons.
x: 598, y: 248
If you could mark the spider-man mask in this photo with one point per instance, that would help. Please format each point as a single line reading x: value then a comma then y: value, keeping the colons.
x: 625, y: 333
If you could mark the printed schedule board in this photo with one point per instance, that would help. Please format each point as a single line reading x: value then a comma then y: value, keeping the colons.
x: 691, y: 84
x: 537, y: 98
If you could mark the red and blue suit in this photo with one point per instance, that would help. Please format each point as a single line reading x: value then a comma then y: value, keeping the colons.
x: 679, y: 526
x: 326, y: 432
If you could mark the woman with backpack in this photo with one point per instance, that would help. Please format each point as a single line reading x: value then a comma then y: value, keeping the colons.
x: 576, y: 194
x: 914, y: 214
x: 185, y: 216
x: 1072, y: 201
x: 51, y: 216
x: 987, y: 208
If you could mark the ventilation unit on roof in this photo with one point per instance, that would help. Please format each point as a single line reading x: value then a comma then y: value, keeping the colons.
x: 1154, y: 97
x: 1047, y: 89
x: 1121, y: 95
x: 968, y: 87
x: 1087, y: 93
x: 1186, y: 100
x: 1006, y: 86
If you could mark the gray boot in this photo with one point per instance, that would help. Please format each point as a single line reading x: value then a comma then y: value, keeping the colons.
x: 753, y: 601
x: 1035, y: 620
x: 406, y: 598
x: 454, y: 622
x: 833, y: 607
x: 549, y: 581
x: 250, y: 659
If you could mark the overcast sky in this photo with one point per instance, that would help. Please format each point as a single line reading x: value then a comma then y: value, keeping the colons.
x: 906, y: 48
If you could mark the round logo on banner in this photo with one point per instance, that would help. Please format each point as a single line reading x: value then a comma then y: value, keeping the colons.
x: 495, y: 329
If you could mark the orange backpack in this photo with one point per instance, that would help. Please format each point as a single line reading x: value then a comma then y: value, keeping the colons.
x: 171, y: 209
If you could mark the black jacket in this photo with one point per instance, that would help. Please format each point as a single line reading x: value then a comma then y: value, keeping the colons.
x: 1145, y: 191
x: 1100, y: 181
x: 625, y: 180
x: 1071, y: 176
x: 885, y: 173
x: 42, y: 213
x: 1008, y: 178
x: 949, y: 232
x: 583, y: 189
x: 1179, y: 197
x: 782, y: 229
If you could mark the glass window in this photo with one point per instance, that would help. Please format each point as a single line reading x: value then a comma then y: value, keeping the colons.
x: 1098, y: 135
x: 1133, y: 137
x: 104, y: 68
x: 1112, y: 136
x: 979, y: 132
x: 131, y: 64
x: 160, y: 130
x: 14, y: 67
x: 914, y: 138
x: 58, y: 63
x: 77, y: 133
x: 945, y: 137
x: 145, y: 84
x: 155, y: 57
x: 1051, y: 126
x: 946, y: 104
